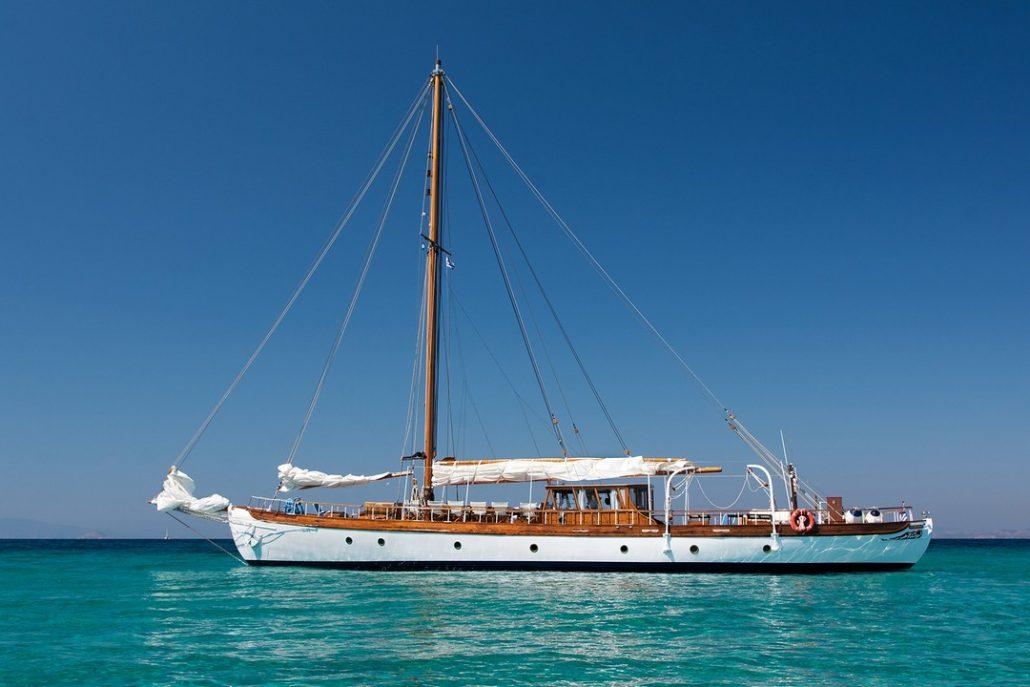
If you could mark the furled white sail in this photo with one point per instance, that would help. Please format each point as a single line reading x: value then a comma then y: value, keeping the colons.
x: 177, y: 494
x: 455, y: 472
x: 291, y: 477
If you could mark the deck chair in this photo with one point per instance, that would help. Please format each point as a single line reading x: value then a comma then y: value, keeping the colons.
x: 457, y: 508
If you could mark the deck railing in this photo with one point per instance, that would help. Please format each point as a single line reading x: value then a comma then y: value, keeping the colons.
x: 757, y: 516
x: 495, y: 512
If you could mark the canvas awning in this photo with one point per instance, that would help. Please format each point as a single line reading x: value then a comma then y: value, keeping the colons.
x: 450, y: 472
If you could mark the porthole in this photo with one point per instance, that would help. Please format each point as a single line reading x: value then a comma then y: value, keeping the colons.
x: 534, y: 548
x: 694, y: 549
x: 457, y: 545
x: 382, y: 542
x: 624, y: 548
x: 349, y: 540
x: 766, y: 548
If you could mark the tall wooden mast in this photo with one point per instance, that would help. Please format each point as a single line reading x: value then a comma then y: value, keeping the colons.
x: 433, y: 270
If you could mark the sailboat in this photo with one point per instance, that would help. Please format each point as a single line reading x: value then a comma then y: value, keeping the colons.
x: 597, y: 513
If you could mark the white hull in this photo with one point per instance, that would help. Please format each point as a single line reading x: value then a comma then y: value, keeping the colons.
x: 272, y: 543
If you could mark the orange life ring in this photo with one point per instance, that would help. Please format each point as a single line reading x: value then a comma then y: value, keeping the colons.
x: 802, y: 520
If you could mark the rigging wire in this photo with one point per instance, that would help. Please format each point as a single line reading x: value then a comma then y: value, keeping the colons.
x: 507, y: 283
x: 235, y: 557
x: 415, y: 392
x: 733, y: 422
x: 479, y: 419
x: 330, y: 242
x: 462, y: 372
x: 551, y: 366
x: 358, y: 287
x: 523, y: 404
x: 585, y: 252
x: 497, y: 363
x: 459, y: 437
x: 554, y: 312
x: 770, y: 459
x: 448, y: 312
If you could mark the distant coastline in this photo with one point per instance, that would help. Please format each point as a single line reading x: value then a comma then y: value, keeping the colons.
x: 1000, y: 534
x: 25, y: 528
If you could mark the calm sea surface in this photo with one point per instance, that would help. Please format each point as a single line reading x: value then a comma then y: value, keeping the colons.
x: 181, y: 612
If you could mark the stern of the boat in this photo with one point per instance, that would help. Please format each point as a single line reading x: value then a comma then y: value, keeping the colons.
x: 907, y: 546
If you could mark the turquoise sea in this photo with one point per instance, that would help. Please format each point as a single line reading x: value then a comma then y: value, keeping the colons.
x: 181, y: 612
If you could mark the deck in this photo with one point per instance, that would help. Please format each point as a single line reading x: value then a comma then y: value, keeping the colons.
x: 502, y: 519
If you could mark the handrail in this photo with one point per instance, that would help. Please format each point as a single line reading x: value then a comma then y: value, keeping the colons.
x: 753, y: 470
x: 668, y: 498
x: 508, y: 512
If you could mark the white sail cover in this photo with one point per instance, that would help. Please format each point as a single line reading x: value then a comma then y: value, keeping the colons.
x: 456, y: 472
x: 291, y: 478
x: 177, y: 494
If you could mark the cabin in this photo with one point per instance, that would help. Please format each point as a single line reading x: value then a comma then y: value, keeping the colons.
x: 608, y: 504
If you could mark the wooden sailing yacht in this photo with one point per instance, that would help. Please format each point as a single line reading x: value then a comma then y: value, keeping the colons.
x: 597, y: 513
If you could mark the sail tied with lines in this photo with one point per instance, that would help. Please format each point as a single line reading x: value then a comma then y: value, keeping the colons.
x: 177, y: 494
x: 451, y: 472
x: 292, y: 478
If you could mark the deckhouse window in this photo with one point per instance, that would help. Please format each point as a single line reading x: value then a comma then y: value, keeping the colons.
x: 563, y: 500
x: 640, y: 498
x: 587, y: 499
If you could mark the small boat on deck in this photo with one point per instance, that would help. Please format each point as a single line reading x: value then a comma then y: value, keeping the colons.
x: 597, y: 513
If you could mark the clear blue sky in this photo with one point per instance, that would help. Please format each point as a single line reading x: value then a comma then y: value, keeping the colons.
x: 824, y: 205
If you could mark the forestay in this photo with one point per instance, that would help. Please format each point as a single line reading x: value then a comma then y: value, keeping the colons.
x: 455, y: 472
x: 291, y: 478
x: 177, y: 494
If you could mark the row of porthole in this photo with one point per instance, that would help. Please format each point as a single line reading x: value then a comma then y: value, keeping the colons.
x: 534, y: 548
x: 380, y: 541
x: 457, y: 545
